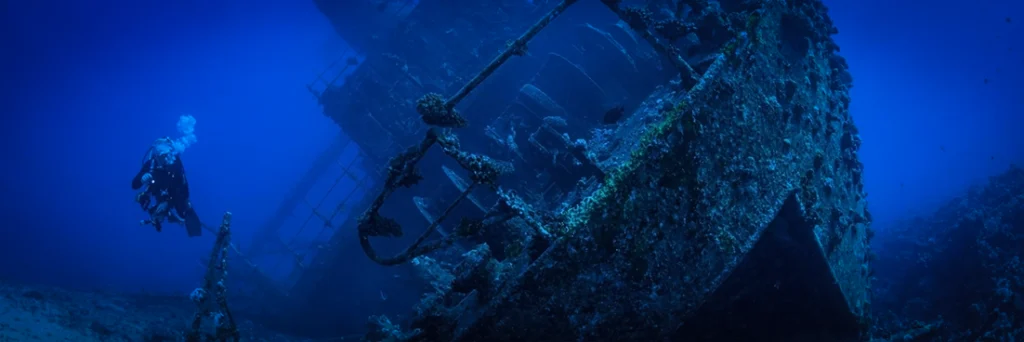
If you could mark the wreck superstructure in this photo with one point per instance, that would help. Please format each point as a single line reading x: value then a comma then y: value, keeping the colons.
x: 672, y: 170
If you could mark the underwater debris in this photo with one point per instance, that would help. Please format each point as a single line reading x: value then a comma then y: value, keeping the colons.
x: 215, y: 289
x: 435, y: 110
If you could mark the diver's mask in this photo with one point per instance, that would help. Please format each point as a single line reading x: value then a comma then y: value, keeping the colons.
x: 161, y: 152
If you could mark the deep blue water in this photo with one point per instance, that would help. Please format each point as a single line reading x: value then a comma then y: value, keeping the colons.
x: 938, y: 98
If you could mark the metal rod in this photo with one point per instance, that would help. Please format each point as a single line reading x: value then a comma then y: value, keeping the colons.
x: 415, y: 250
x: 517, y: 46
x: 414, y: 154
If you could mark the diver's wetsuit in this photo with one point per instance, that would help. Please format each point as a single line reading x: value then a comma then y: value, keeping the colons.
x: 168, y: 184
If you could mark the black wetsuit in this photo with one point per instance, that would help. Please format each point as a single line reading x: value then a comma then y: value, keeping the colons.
x: 167, y: 185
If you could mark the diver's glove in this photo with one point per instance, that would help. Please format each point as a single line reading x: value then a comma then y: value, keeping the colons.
x: 147, y: 178
x: 143, y: 199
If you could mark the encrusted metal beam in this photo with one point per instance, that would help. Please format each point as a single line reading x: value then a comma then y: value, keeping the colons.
x: 640, y: 21
x: 214, y: 288
x: 515, y: 48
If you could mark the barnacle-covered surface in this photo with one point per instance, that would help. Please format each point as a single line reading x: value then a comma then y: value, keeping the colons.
x: 719, y: 201
x: 956, y: 275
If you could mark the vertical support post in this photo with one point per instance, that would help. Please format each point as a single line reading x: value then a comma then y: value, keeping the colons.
x: 215, y: 284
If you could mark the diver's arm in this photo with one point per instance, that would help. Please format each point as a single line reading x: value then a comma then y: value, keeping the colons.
x: 137, y: 181
x: 147, y: 167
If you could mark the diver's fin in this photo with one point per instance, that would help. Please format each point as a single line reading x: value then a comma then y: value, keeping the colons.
x: 192, y: 224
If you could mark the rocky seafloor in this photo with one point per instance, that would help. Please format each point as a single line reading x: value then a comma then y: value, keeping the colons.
x: 37, y: 313
x: 955, y: 275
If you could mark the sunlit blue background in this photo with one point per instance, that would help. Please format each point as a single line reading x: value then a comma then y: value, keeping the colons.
x: 89, y: 84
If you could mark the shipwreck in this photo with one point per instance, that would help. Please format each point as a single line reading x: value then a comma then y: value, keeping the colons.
x: 591, y: 170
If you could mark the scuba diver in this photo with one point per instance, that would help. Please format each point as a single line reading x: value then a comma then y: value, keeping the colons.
x: 162, y: 178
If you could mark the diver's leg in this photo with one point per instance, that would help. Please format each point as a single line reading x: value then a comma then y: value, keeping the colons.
x: 184, y: 214
x: 192, y: 223
x: 157, y: 214
x: 174, y: 217
x: 181, y: 209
